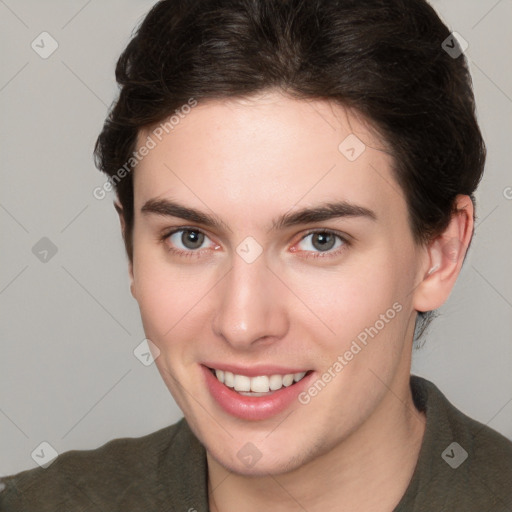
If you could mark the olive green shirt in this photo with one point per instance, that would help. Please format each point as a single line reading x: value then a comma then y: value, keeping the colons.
x: 463, y: 466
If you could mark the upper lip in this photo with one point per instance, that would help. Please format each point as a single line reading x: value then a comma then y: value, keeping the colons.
x: 255, y: 371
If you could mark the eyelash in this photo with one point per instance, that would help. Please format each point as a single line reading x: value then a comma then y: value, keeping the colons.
x: 196, y: 253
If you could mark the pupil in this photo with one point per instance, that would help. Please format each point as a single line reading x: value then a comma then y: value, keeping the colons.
x: 325, y: 241
x: 192, y: 239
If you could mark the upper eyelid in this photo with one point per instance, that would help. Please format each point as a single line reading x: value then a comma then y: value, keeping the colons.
x: 326, y: 230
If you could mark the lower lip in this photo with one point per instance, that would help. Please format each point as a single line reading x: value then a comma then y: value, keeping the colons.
x: 250, y: 407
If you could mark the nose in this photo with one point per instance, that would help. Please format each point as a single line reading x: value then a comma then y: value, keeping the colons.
x: 251, y: 306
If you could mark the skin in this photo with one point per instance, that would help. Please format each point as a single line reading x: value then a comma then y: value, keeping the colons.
x: 354, y: 446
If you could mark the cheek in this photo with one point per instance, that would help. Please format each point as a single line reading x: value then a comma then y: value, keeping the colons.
x: 363, y: 304
x: 349, y: 297
x: 173, y: 300
x: 158, y: 292
x: 165, y: 306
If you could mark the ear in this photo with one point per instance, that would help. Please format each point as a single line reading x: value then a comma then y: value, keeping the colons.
x: 119, y: 210
x: 445, y: 256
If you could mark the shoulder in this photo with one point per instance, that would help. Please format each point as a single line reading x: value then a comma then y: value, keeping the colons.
x: 470, y: 462
x: 86, y: 479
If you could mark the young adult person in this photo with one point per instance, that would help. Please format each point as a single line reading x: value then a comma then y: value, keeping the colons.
x: 295, y: 187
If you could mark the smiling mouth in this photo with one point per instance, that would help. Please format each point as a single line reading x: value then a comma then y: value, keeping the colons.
x: 261, y: 385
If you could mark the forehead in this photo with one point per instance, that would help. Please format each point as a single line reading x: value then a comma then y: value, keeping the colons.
x: 266, y: 154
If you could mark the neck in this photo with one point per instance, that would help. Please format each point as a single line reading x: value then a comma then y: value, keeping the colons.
x: 369, y: 470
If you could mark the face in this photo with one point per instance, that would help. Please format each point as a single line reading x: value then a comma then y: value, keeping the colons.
x: 271, y: 248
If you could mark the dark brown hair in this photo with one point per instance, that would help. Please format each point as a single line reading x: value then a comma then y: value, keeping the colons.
x: 383, y: 58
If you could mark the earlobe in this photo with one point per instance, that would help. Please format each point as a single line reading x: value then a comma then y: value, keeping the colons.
x: 445, y: 256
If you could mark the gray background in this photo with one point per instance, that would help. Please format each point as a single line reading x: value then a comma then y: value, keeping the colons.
x: 68, y: 374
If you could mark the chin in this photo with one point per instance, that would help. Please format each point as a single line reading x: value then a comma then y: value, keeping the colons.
x: 263, y: 467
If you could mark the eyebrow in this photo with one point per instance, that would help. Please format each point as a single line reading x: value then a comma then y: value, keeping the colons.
x: 319, y: 213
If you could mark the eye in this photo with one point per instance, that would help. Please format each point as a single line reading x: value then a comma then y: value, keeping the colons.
x: 322, y: 242
x: 191, y: 242
x: 186, y: 241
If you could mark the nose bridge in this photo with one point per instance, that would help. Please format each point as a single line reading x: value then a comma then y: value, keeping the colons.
x: 251, y: 305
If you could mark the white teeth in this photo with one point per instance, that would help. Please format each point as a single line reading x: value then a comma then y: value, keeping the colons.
x: 229, y: 379
x: 256, y: 386
x: 260, y: 384
x: 276, y: 382
x: 288, y: 379
x: 242, y: 383
x: 297, y: 376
